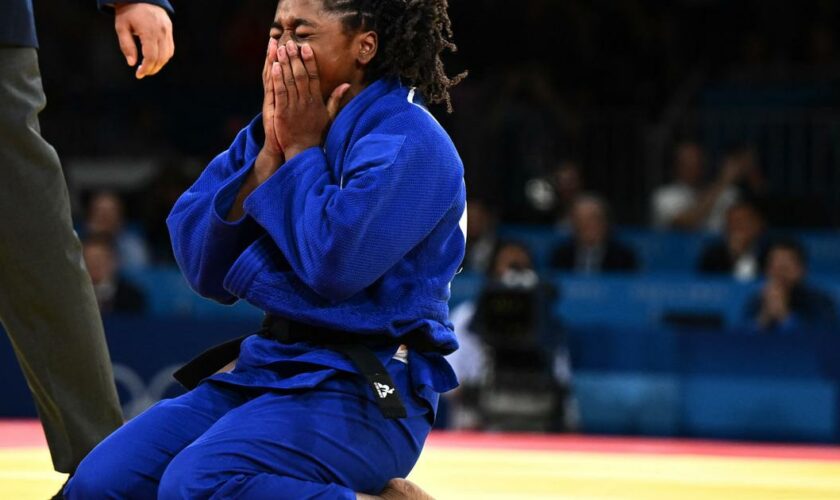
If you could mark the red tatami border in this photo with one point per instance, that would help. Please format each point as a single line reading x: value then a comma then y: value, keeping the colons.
x: 28, y: 433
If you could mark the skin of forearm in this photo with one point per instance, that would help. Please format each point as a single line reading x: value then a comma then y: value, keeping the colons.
x: 264, y: 167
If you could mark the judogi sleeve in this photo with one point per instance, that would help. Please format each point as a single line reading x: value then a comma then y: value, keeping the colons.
x: 205, y: 244
x: 340, y: 239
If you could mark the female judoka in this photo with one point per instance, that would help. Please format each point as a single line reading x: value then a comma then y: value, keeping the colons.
x: 339, y: 211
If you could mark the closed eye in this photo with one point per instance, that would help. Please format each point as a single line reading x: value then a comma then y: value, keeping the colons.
x: 276, y: 30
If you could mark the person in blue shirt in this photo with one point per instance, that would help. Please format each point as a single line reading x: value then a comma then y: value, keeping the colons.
x: 47, y: 303
x: 787, y: 303
x: 339, y: 211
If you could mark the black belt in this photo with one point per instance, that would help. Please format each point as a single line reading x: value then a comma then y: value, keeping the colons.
x: 358, y: 349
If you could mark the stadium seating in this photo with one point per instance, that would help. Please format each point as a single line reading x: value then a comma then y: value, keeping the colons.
x: 634, y: 373
x: 673, y: 252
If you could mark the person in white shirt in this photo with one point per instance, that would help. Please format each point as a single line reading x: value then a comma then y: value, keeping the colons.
x: 689, y: 205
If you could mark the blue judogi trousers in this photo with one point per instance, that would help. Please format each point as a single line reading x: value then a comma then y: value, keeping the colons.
x: 229, y: 441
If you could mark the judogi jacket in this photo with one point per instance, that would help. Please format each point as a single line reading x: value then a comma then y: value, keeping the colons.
x: 363, y: 235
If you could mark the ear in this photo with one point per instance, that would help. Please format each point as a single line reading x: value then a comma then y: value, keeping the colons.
x: 368, y: 44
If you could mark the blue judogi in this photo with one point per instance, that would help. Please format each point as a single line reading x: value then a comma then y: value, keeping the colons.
x: 362, y: 236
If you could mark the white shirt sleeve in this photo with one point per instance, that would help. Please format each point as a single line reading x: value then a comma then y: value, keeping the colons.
x: 669, y: 202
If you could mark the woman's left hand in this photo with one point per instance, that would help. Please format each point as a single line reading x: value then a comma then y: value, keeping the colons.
x: 301, y: 117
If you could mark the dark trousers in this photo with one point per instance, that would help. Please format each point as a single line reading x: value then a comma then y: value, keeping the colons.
x: 47, y: 305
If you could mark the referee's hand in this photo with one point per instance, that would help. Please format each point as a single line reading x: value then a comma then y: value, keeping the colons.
x: 151, y: 24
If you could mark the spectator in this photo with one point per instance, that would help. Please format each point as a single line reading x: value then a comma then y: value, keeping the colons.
x: 592, y: 248
x: 105, y: 216
x: 552, y: 196
x: 481, y: 235
x: 741, y: 252
x: 686, y: 203
x: 162, y: 194
x: 113, y: 293
x: 743, y: 158
x: 511, y: 265
x: 568, y: 184
x: 469, y: 362
x: 786, y: 304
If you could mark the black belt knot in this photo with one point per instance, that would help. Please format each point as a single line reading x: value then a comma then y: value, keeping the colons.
x: 384, y: 389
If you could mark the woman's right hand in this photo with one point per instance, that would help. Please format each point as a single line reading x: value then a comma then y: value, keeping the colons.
x: 272, y: 146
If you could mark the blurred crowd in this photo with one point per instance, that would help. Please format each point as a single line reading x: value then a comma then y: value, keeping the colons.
x: 727, y: 208
x: 580, y: 115
x: 608, y: 86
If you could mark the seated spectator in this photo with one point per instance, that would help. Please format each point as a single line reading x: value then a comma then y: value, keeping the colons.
x: 105, y: 216
x: 592, y: 248
x: 689, y: 204
x: 481, y: 235
x: 164, y: 191
x: 113, y: 293
x: 741, y: 251
x: 568, y: 184
x: 786, y: 303
x: 551, y: 196
x: 512, y: 266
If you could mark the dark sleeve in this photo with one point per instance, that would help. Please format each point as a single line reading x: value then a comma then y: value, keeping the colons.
x: 714, y: 260
x: 108, y: 5
x: 753, y: 307
x: 632, y: 260
x: 129, y: 299
x: 562, y: 258
x: 624, y: 260
x: 823, y: 311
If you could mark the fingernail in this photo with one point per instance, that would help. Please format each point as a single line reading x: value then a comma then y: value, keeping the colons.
x: 275, y: 68
x: 281, y: 52
x: 292, y: 49
x: 306, y: 50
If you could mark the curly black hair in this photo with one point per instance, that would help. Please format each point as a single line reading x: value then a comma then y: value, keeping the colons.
x: 412, y: 36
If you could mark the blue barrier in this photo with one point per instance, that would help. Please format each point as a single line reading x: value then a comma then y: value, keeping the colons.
x: 145, y: 352
x: 628, y: 403
x: 169, y: 295
x: 631, y: 301
x: 767, y: 409
x: 643, y: 381
x: 723, y: 385
x: 671, y: 251
x: 638, y: 301
x: 632, y: 375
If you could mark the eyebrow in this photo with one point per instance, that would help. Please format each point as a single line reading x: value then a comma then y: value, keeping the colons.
x: 295, y: 23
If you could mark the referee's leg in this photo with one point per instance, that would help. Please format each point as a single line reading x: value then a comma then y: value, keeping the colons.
x: 47, y: 305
